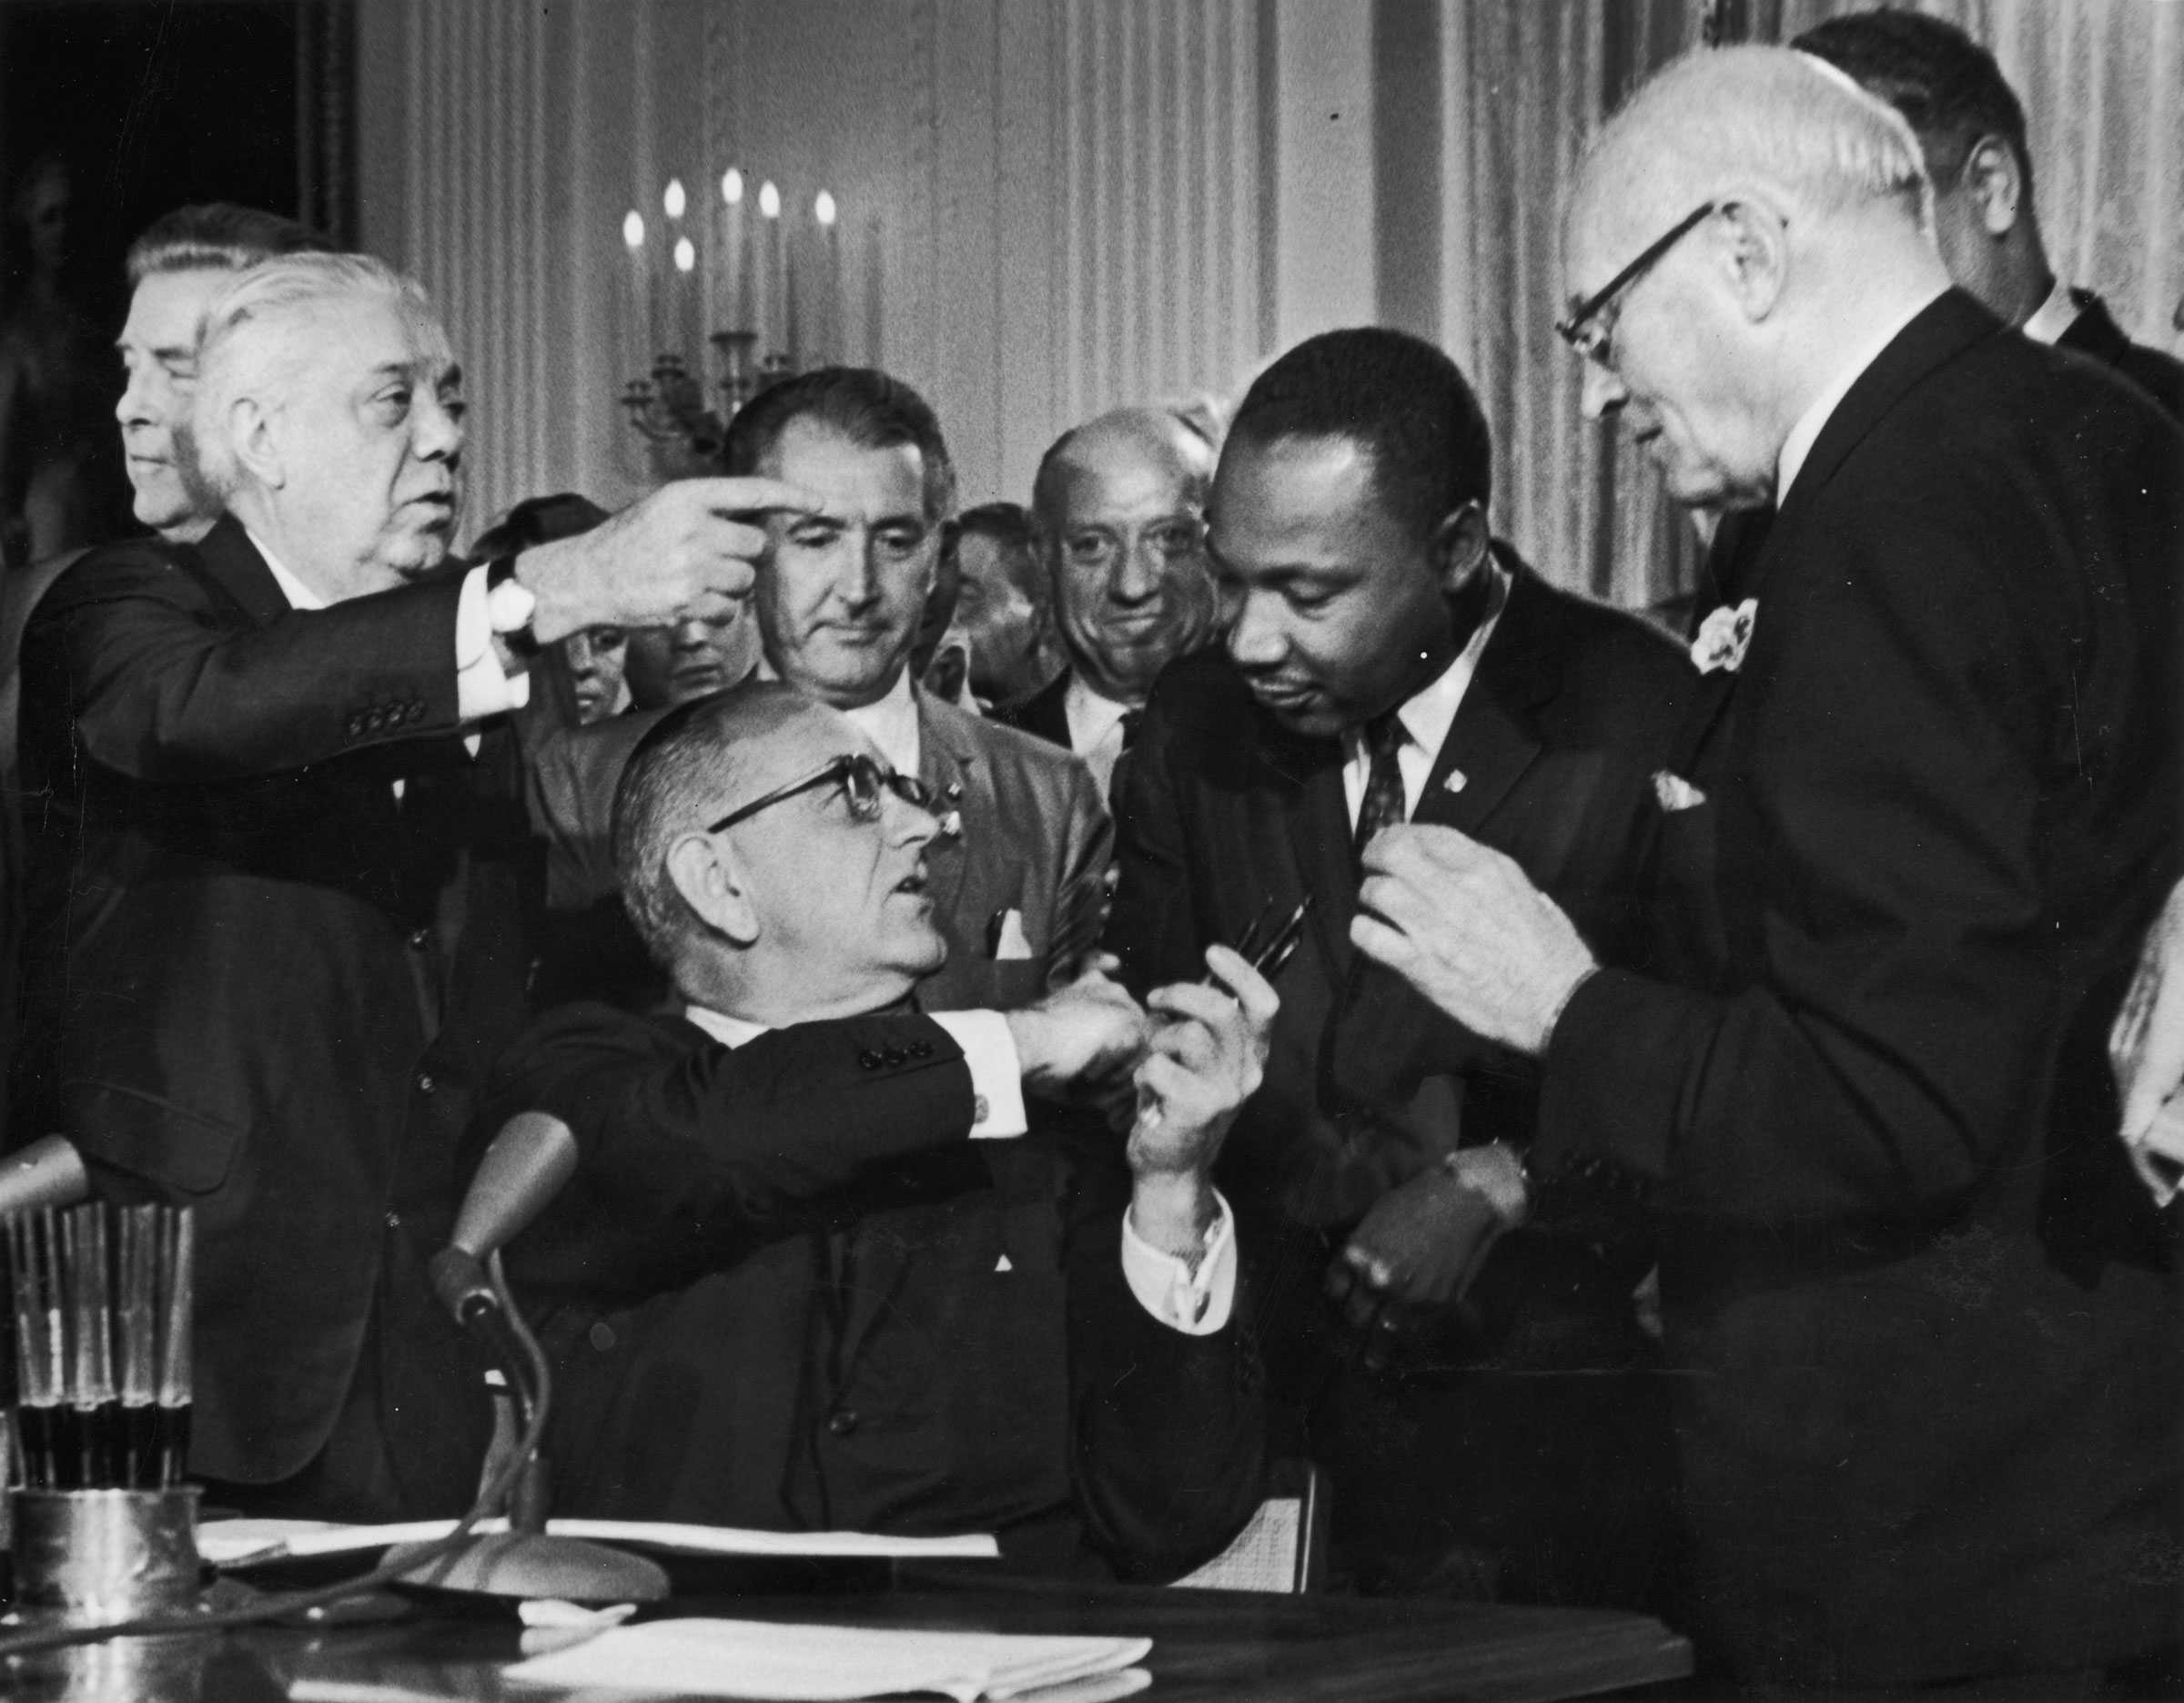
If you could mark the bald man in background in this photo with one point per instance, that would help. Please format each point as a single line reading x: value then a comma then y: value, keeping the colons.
x: 1118, y: 507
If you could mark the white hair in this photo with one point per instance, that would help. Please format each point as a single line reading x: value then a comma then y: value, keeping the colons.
x: 1718, y: 117
x: 249, y: 347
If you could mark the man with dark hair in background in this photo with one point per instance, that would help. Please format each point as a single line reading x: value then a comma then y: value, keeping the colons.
x: 1489, y: 1434
x: 1971, y: 129
x: 1020, y: 872
x: 1005, y: 605
x: 1119, y: 508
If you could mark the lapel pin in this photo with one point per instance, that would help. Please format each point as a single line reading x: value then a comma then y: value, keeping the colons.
x: 1455, y: 780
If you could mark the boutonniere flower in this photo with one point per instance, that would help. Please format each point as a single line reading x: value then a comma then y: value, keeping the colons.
x: 1724, y: 637
x: 1673, y: 792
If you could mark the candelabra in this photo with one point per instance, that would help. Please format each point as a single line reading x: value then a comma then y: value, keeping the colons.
x: 670, y: 408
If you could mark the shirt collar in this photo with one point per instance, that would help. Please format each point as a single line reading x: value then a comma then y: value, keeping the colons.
x: 1091, y: 715
x: 299, y: 595
x: 1807, y: 431
x: 891, y: 723
x: 1428, y: 715
x: 2053, y: 316
x: 730, y: 1031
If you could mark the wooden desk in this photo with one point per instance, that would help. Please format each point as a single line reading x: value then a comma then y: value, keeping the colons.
x: 1206, y: 1645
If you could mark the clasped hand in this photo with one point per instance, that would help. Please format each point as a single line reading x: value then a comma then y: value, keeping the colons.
x: 1464, y: 925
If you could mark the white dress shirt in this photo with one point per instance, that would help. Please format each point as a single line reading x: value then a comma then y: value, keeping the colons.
x: 1196, y: 1302
x: 1095, y: 729
x: 891, y: 723
x: 1807, y: 431
x: 2053, y: 316
x: 1427, y: 717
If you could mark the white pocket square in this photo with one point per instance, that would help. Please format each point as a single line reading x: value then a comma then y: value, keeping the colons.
x: 1675, y: 793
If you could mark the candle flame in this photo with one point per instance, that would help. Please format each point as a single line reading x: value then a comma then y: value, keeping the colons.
x: 674, y: 201
x: 686, y: 255
x: 732, y: 186
x: 823, y: 210
x: 769, y: 200
x: 632, y: 230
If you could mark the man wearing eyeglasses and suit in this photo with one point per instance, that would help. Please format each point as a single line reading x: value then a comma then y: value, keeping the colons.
x: 1927, y: 1320
x: 815, y: 1273
x: 1389, y: 660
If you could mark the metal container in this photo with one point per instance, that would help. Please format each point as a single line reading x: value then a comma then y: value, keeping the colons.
x: 89, y: 1557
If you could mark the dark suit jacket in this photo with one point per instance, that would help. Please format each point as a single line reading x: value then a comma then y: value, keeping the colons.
x: 1034, y: 838
x: 2096, y: 334
x: 1931, y: 1319
x: 1549, y: 759
x: 258, y: 983
x: 785, y: 1291
x: 1544, y: 1479
x: 1045, y: 712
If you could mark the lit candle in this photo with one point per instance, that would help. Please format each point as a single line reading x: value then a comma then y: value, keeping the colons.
x: 679, y: 282
x: 832, y: 346
x: 686, y: 266
x: 771, y: 275
x: 638, y: 310
x: 731, y: 260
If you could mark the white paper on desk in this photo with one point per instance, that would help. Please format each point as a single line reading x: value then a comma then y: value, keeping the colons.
x: 814, y: 1663
x: 227, y: 1543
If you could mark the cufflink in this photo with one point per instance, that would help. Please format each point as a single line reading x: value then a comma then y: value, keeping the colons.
x: 980, y: 1109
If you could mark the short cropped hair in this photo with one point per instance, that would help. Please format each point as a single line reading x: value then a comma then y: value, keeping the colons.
x: 537, y: 521
x: 217, y: 237
x: 1005, y: 523
x: 1722, y: 114
x: 1946, y: 85
x: 873, y: 410
x: 1190, y: 440
x: 684, y: 763
x: 235, y: 358
x: 1400, y: 400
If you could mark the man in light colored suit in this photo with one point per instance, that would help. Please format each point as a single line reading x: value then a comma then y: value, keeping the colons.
x: 1018, y: 876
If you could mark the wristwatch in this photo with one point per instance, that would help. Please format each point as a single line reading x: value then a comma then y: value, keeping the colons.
x: 509, y: 606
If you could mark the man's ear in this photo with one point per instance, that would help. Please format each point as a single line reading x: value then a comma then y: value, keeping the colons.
x: 707, y: 874
x: 256, y: 443
x: 1460, y: 548
x: 1755, y: 250
x: 1993, y: 184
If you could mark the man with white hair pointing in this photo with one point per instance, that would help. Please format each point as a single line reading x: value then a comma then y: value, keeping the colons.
x: 1929, y: 1319
x: 278, y: 876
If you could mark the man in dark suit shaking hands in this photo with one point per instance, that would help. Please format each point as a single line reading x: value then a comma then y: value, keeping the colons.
x: 1929, y: 1318
x: 1388, y: 660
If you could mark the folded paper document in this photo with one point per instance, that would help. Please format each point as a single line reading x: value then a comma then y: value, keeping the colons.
x: 758, y: 1658
x: 252, y: 1543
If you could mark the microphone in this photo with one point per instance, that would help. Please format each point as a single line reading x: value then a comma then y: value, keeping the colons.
x: 47, y: 1173
x: 527, y: 1163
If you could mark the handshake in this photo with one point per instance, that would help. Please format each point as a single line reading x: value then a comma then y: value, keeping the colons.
x: 1178, y: 1068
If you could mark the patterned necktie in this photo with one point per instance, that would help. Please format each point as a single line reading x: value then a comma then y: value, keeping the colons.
x: 1383, y: 805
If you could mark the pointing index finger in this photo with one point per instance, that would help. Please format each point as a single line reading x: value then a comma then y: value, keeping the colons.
x: 756, y: 494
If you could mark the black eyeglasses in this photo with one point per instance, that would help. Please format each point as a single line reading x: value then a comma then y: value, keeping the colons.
x: 865, y: 783
x: 1583, y: 331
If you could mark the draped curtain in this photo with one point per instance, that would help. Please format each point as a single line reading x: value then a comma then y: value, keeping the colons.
x: 2102, y: 82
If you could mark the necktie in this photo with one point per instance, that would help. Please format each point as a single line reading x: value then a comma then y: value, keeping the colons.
x: 1383, y: 805
x: 1130, y: 719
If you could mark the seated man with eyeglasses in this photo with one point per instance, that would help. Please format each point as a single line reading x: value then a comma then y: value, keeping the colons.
x: 814, y: 1273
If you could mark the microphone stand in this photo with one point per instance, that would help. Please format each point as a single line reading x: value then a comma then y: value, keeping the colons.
x: 528, y: 1160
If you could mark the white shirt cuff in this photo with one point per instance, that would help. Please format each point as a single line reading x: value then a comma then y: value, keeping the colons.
x: 997, y: 1072
x: 481, y: 688
x: 1196, y: 1303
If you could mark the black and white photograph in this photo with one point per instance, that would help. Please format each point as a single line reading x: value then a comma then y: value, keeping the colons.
x: 1321, y: 851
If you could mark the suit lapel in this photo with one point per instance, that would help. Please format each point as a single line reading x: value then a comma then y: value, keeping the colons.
x: 949, y: 766
x: 1491, y: 742
x: 1305, y: 780
x: 235, y: 566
